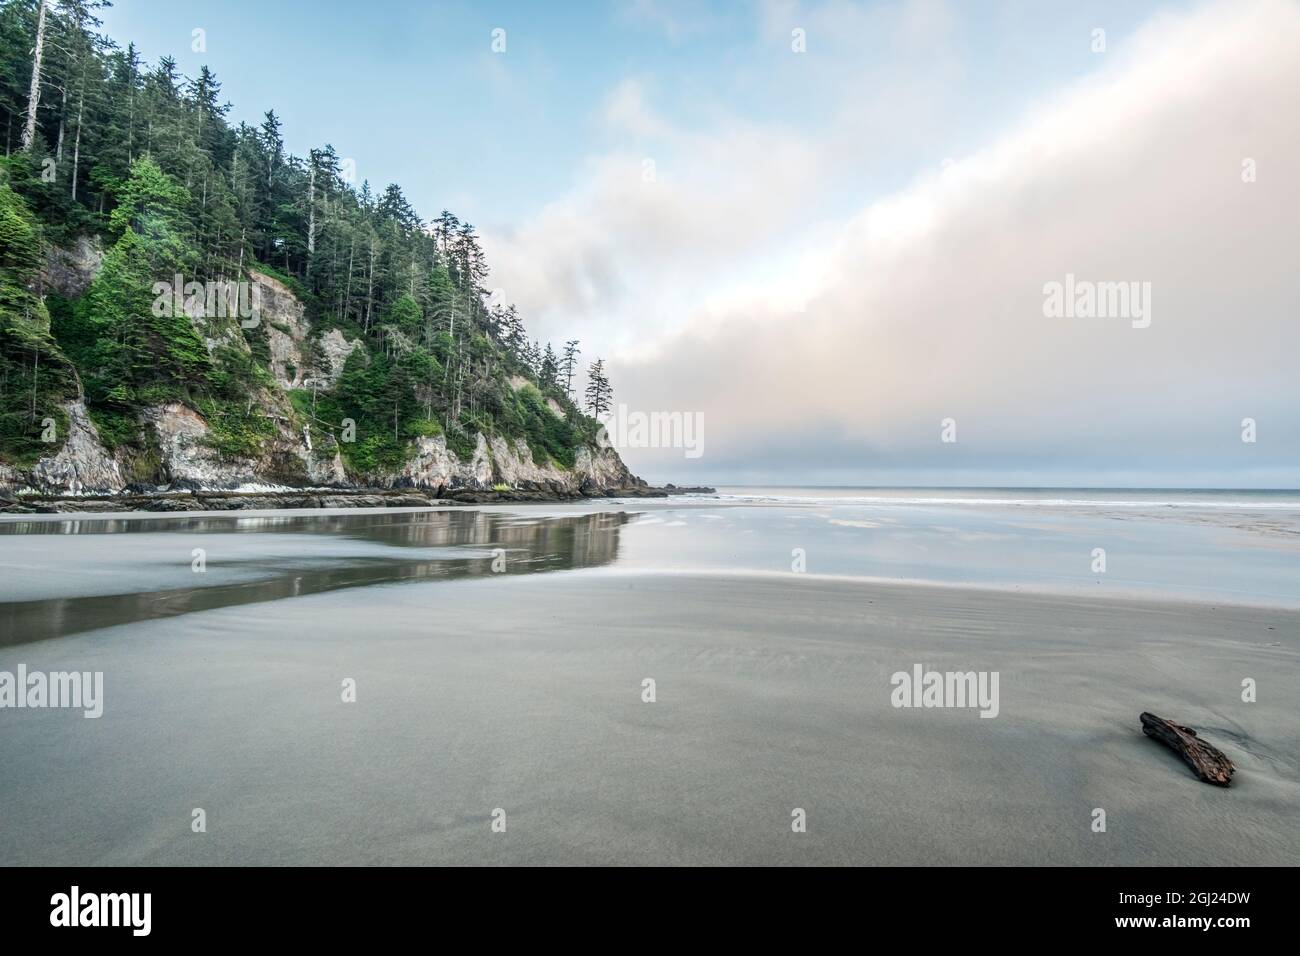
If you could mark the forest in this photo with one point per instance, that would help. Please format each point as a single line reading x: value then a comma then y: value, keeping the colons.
x: 146, y: 162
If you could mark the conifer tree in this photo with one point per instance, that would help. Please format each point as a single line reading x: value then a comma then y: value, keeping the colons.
x: 599, y: 392
x: 571, y: 353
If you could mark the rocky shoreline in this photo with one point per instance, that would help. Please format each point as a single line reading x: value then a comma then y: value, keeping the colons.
x: 183, y: 500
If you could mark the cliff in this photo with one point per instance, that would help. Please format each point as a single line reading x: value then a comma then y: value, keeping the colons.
x: 172, y: 445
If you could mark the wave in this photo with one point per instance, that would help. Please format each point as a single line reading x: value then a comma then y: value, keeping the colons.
x: 1095, y: 503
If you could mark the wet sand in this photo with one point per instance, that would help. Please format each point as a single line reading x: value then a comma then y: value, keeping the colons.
x: 523, y: 692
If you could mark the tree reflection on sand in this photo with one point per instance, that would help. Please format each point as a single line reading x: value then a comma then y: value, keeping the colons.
x: 468, y: 544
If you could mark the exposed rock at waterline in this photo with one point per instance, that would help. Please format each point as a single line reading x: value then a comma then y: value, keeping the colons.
x: 181, y: 434
x: 81, y: 463
x: 198, y: 500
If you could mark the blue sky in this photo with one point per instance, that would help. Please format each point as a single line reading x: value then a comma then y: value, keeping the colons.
x: 413, y: 92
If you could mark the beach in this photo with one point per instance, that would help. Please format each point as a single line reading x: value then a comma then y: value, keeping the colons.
x: 520, y: 696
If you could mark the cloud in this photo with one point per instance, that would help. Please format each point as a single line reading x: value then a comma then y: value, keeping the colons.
x: 928, y: 303
x: 626, y: 253
x: 626, y: 111
x: 675, y: 19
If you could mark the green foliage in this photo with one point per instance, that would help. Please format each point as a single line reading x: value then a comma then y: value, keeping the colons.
x: 233, y: 429
x: 459, y: 442
x: 550, y: 437
x: 116, y: 428
x: 146, y: 349
x: 150, y: 204
x: 423, y: 428
x: 151, y: 165
x: 406, y: 315
x: 35, y: 377
x: 292, y: 283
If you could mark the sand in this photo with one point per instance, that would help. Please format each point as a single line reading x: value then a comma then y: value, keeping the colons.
x: 524, y: 693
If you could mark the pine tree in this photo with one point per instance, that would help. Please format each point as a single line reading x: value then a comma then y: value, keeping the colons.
x: 571, y: 353
x: 34, y: 91
x: 599, y: 393
x: 548, y: 370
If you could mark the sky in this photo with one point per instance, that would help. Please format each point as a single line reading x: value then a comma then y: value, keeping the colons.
x: 824, y: 230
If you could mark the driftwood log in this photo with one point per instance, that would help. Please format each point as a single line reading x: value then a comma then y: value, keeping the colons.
x: 1207, y: 762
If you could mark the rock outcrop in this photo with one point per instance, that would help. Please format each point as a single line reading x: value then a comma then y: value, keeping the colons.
x: 182, y: 454
x: 335, y: 349
x: 435, y: 466
x: 287, y: 330
x: 82, y: 463
x: 70, y: 271
x: 187, y: 457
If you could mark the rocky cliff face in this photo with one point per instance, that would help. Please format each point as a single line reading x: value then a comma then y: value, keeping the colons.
x: 82, y: 464
x: 189, y: 460
x: 186, y: 456
x: 287, y: 330
x: 69, y: 271
x: 501, y: 461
